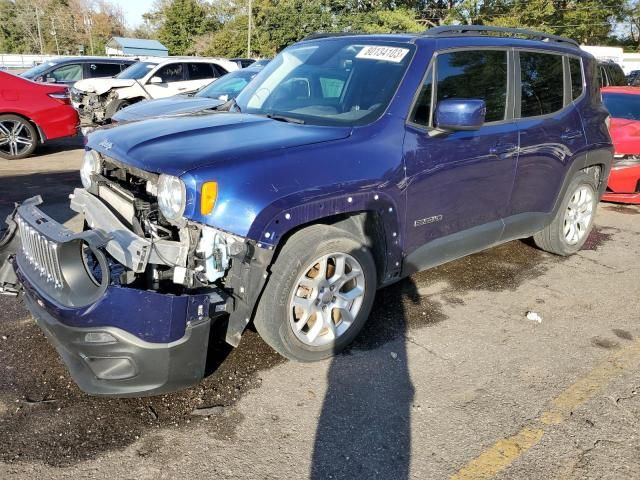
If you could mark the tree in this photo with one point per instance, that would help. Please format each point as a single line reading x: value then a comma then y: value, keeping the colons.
x: 180, y: 22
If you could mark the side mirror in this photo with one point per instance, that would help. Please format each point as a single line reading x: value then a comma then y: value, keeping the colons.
x: 155, y: 80
x: 460, y: 114
x: 50, y: 80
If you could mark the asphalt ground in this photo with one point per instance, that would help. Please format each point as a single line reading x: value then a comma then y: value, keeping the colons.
x: 449, y: 379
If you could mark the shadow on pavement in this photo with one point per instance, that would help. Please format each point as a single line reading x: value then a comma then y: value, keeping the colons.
x: 53, y: 187
x: 61, y: 145
x: 364, y: 430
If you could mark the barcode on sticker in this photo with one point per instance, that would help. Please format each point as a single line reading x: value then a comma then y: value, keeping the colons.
x: 389, y: 54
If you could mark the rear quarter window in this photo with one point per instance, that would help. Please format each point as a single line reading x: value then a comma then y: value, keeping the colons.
x: 577, y: 80
x: 200, y: 71
x: 542, y: 84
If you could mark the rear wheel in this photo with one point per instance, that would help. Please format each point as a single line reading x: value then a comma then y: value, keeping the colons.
x: 574, y: 220
x: 18, y: 137
x: 319, y: 296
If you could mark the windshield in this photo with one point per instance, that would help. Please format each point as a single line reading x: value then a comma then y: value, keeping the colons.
x: 136, y: 71
x: 342, y: 82
x: 38, y: 70
x: 228, y: 86
x: 622, y: 106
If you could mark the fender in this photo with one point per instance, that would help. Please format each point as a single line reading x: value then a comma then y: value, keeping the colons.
x: 249, y: 276
x: 276, y: 221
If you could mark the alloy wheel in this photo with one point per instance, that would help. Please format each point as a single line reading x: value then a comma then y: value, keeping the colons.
x: 578, y: 216
x: 15, y: 137
x: 326, y: 299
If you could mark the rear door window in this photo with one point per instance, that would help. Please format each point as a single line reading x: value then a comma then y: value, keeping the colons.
x: 99, y: 70
x: 542, y: 84
x: 200, y: 71
x: 174, y: 72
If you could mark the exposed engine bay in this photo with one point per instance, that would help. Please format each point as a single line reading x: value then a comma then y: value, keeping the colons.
x: 174, y: 255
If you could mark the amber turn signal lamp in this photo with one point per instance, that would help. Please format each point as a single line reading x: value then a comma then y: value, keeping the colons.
x: 208, y: 197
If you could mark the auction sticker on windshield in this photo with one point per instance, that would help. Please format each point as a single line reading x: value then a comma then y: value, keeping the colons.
x: 389, y: 54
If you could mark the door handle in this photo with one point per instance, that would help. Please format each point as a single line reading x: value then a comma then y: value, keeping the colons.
x: 502, y: 148
x: 571, y: 135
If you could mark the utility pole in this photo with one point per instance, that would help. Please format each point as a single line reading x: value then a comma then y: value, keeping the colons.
x: 54, y: 34
x: 88, y: 24
x: 249, y: 29
x: 39, y: 31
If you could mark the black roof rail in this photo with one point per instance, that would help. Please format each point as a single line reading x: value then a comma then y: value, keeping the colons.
x: 475, y: 29
x: 318, y: 35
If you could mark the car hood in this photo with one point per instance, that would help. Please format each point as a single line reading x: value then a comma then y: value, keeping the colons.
x: 177, y: 105
x: 175, y: 145
x: 101, y: 85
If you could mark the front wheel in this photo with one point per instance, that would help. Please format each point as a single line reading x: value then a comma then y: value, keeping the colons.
x: 573, y: 222
x: 18, y: 137
x: 319, y: 296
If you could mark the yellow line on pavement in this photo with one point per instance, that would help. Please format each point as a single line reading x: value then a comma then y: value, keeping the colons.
x: 507, y: 450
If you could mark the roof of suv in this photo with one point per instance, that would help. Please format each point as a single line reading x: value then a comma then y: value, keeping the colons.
x: 477, y: 32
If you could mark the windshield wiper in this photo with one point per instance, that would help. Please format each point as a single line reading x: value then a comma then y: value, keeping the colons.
x: 284, y: 118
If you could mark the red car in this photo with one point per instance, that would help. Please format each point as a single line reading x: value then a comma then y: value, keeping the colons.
x: 31, y: 113
x: 624, y: 181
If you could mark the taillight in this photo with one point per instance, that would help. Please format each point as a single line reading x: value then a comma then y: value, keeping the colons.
x: 62, y: 97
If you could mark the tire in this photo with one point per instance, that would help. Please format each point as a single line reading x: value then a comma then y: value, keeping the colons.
x: 554, y: 238
x: 113, y: 107
x: 18, y: 137
x: 277, y: 317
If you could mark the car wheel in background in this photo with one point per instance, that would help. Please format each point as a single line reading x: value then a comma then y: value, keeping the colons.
x: 18, y: 137
x: 571, y: 226
x: 319, y: 295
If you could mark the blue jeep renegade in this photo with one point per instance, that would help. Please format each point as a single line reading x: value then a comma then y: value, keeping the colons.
x: 348, y: 163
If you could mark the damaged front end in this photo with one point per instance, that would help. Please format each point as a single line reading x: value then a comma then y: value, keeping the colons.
x: 129, y: 301
x: 92, y: 107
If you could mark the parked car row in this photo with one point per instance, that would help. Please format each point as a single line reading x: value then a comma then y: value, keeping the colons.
x: 210, y: 96
x: 37, y: 105
x: 98, y: 99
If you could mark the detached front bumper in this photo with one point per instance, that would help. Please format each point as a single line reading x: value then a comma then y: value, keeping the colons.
x: 115, y: 340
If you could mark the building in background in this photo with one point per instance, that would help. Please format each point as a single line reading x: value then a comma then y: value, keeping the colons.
x: 136, y: 46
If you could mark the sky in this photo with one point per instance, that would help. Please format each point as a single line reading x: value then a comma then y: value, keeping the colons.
x: 133, y: 10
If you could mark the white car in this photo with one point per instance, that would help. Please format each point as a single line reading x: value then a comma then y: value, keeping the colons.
x: 97, y: 99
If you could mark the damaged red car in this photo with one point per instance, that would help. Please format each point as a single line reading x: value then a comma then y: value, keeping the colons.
x: 623, y: 104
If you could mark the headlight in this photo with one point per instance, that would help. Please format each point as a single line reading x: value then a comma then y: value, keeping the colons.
x: 90, y: 166
x: 171, y: 196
